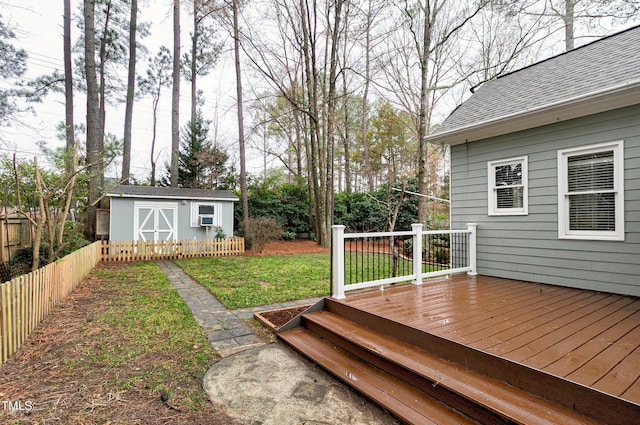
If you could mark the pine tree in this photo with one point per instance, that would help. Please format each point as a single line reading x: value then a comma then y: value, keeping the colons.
x: 201, y: 165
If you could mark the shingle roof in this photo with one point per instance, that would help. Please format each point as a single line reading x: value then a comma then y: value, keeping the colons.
x: 608, y: 63
x: 128, y: 191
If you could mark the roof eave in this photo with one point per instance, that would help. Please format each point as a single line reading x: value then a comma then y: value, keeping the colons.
x: 194, y: 198
x: 627, y: 94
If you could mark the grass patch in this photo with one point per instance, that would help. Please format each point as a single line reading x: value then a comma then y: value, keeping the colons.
x: 365, y: 267
x: 251, y: 281
x: 150, y: 324
x: 121, y: 339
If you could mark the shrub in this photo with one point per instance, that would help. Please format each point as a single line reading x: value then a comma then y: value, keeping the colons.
x: 262, y: 230
x: 73, y: 238
x: 22, y: 260
x: 436, y: 253
x: 288, y: 235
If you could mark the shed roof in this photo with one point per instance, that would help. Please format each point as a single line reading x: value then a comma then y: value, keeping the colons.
x: 597, y: 77
x: 128, y: 191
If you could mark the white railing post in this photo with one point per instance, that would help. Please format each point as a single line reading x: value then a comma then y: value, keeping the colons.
x: 417, y: 253
x: 337, y: 251
x: 472, y: 228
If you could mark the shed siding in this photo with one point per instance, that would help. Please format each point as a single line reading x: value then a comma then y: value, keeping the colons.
x: 528, y: 247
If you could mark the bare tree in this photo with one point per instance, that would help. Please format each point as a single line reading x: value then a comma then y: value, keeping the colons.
x: 429, y: 36
x: 438, y: 35
x: 53, y: 196
x: 131, y: 86
x: 175, y: 95
x: 337, y: 31
x: 94, y: 125
x: 370, y: 17
x: 241, y: 142
x: 303, y: 67
x: 68, y: 86
x: 158, y: 76
x: 578, y: 18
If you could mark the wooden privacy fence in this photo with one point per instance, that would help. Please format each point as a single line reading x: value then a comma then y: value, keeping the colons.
x: 170, y: 250
x: 14, y: 234
x: 26, y: 299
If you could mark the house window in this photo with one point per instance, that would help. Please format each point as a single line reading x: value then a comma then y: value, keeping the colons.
x: 508, y: 192
x: 591, y: 192
x: 209, y: 210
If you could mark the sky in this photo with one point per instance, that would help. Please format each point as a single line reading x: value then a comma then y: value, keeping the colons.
x: 38, y: 27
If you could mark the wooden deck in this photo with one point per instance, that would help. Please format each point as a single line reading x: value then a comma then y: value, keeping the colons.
x: 586, y: 337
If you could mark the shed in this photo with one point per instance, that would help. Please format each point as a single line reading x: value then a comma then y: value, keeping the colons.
x: 167, y: 213
x: 546, y: 160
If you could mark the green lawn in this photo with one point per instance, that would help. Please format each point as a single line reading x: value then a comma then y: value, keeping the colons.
x: 251, y: 281
x: 150, y: 320
x: 375, y: 266
x: 372, y: 266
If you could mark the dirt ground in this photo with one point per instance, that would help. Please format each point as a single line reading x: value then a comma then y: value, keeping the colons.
x: 38, y: 387
x: 297, y: 246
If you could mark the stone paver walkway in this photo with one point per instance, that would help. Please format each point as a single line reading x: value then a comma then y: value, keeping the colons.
x: 225, y: 328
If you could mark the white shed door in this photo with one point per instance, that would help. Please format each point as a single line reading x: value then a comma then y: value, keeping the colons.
x: 155, y: 221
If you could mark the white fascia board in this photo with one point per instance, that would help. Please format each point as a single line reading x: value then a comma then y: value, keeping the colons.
x: 620, y: 96
x: 188, y: 198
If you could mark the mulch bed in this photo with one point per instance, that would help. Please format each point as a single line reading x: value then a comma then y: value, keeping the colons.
x: 275, y: 319
x: 297, y: 246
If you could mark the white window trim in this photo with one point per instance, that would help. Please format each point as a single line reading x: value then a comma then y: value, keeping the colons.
x: 492, y: 199
x: 618, y: 186
x: 217, y: 216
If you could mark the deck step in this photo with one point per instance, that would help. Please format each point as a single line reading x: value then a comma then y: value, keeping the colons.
x: 399, y: 398
x: 481, y: 398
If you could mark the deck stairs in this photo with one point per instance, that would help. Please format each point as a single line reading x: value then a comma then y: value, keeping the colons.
x: 390, y: 365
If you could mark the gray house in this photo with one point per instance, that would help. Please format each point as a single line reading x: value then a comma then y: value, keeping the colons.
x: 166, y: 213
x: 546, y: 160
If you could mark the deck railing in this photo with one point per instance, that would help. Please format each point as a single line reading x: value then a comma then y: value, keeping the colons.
x: 365, y: 260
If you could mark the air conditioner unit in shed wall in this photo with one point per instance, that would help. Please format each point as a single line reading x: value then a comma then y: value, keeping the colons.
x: 206, y: 220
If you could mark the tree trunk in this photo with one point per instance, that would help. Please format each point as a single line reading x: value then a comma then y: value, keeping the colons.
x: 102, y: 87
x: 241, y: 142
x: 365, y: 105
x: 327, y: 219
x: 131, y: 84
x: 194, y: 54
x: 569, y: 11
x: 68, y: 89
x: 156, y: 99
x: 347, y: 126
x: 175, y: 95
x: 93, y: 118
x: 311, y: 117
x: 423, y: 146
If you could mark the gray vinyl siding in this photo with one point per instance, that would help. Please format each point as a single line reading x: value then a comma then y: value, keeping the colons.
x: 528, y: 247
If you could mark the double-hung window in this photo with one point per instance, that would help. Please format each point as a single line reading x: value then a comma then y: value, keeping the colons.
x: 507, y: 184
x: 591, y: 192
